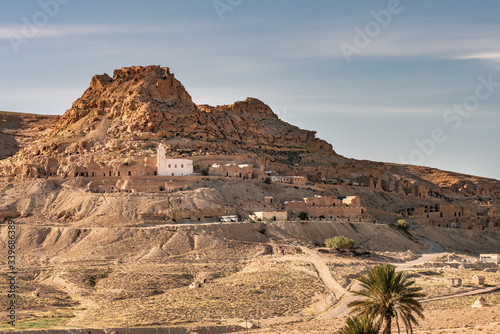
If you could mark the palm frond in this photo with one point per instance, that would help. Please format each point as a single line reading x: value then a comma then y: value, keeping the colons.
x: 387, y: 294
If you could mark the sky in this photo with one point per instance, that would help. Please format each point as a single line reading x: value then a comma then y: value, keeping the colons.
x: 395, y: 81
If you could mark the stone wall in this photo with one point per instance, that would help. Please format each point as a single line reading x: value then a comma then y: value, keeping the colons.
x: 326, y: 206
x: 295, y: 180
x: 272, y: 215
x: 438, y: 210
x: 244, y: 171
x: 134, y: 184
x: 450, y: 215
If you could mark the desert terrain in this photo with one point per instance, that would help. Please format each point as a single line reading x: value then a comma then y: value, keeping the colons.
x: 104, y: 241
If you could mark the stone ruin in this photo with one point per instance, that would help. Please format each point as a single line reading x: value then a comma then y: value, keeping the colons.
x: 480, y: 302
x: 478, y: 280
x: 456, y: 282
x: 327, y: 206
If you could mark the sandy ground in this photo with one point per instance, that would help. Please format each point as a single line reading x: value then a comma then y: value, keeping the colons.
x: 96, y: 269
x: 467, y: 320
x: 464, y: 320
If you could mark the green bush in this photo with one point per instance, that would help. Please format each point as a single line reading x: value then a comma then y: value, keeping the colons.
x: 303, y: 216
x: 339, y: 242
x: 267, y: 180
x: 404, y: 225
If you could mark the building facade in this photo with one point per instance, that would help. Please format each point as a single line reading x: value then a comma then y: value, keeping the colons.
x: 271, y: 215
x: 244, y: 171
x: 327, y: 206
x: 173, y: 167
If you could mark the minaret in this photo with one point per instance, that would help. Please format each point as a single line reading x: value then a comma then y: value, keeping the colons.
x: 161, y: 156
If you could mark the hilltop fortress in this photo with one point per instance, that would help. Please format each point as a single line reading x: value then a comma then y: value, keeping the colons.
x: 139, y: 132
x: 138, y: 208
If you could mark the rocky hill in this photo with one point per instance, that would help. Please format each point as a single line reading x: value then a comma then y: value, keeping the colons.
x: 118, y: 122
x: 103, y: 241
x: 18, y: 130
x: 149, y: 102
x: 129, y: 114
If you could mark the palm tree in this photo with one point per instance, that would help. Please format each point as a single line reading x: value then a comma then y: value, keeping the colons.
x: 388, y: 295
x: 363, y: 325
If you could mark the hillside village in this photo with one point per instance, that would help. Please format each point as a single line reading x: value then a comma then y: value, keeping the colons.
x: 167, y: 172
x: 139, y: 208
x: 119, y: 138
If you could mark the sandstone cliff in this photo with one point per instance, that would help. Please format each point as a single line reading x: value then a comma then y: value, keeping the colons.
x: 18, y: 130
x: 96, y: 226
x: 114, y: 128
x: 149, y: 102
x: 122, y: 119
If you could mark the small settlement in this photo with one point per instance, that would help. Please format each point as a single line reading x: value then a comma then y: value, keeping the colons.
x: 172, y: 172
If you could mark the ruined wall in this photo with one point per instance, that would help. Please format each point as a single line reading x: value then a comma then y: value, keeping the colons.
x: 142, y: 330
x: 439, y: 210
x: 295, y: 180
x: 298, y: 180
x: 327, y: 206
x: 447, y: 215
x: 419, y: 190
x: 81, y: 165
x: 232, y: 170
x: 321, y: 201
x: 133, y: 184
x: 352, y: 201
x: 272, y: 215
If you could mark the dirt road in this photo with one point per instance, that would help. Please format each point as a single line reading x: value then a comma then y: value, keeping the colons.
x: 432, y: 252
x: 342, y: 309
x: 464, y: 294
x: 320, y: 263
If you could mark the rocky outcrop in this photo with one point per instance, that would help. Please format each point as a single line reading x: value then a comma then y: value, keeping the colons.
x: 136, y: 96
x: 252, y: 124
x: 18, y: 130
x: 122, y: 119
x: 149, y: 102
x: 115, y: 127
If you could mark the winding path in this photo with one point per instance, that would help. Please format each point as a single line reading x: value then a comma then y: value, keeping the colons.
x: 434, y: 249
x: 342, y: 309
x: 324, y: 272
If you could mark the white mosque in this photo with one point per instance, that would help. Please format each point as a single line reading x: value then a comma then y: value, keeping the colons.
x: 173, y: 167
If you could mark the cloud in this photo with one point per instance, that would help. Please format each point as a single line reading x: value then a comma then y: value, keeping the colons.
x: 56, y: 31
x: 59, y: 31
x: 319, y: 40
x: 494, y: 55
x: 332, y: 108
x: 399, y: 39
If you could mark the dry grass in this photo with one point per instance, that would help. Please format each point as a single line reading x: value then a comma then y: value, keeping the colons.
x: 263, y: 293
x: 493, y: 299
x: 26, y: 285
x: 40, y: 320
x: 52, y: 307
x: 345, y: 272
x: 436, y: 282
